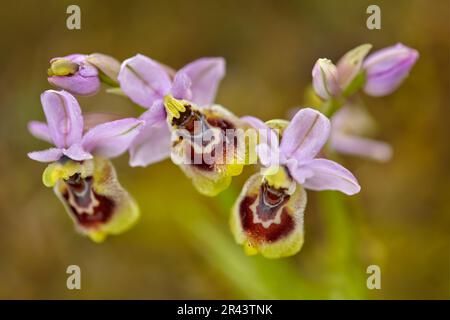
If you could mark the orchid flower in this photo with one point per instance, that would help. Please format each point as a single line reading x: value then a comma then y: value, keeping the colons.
x: 146, y: 82
x: 268, y: 215
x: 80, y: 172
x: 81, y: 74
x: 204, y: 143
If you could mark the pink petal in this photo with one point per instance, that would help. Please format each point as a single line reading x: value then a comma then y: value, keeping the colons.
x: 111, y: 139
x: 181, y: 87
x: 49, y: 155
x: 39, y: 130
x: 329, y: 175
x: 255, y: 122
x: 76, y: 152
x: 151, y: 145
x: 305, y: 135
x: 64, y: 120
x: 205, y: 74
x: 76, y: 84
x: 143, y: 80
x: 362, y: 147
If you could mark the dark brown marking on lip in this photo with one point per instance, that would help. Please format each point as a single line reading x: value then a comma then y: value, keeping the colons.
x: 257, y: 231
x: 83, y: 195
x: 220, y: 123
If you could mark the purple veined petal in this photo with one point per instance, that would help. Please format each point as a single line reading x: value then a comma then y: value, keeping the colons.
x: 305, y: 135
x: 64, y: 119
x: 76, y: 84
x: 329, y: 175
x: 205, y: 74
x: 76, y: 152
x: 111, y: 139
x: 361, y: 147
x: 144, y: 80
x: 181, y: 86
x: 39, y: 130
x: 49, y: 155
x: 151, y: 145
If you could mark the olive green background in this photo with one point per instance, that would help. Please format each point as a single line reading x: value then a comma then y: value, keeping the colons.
x: 182, y: 248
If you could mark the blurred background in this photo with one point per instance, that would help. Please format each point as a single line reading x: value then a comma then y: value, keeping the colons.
x: 182, y: 248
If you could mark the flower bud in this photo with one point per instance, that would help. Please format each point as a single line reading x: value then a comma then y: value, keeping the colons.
x: 350, y: 64
x: 107, y: 65
x: 325, y: 78
x: 387, y: 68
x: 72, y: 73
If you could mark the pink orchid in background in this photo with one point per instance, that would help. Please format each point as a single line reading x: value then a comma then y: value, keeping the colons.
x: 146, y: 82
x: 268, y: 215
x: 349, y: 125
x: 64, y: 128
x: 384, y: 71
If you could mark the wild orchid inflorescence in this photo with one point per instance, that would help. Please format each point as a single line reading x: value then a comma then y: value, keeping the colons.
x: 208, y: 142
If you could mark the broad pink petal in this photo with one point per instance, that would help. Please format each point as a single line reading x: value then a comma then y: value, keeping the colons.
x: 305, y: 135
x: 64, y: 120
x: 111, y: 139
x: 39, y: 130
x: 329, y: 175
x: 143, y: 80
x: 205, y: 75
x: 49, y: 155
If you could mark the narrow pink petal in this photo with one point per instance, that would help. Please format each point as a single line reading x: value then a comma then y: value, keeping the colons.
x: 49, y: 155
x: 64, y: 120
x: 305, y: 135
x: 205, y: 75
x: 143, y: 80
x: 361, y: 147
x: 39, y: 130
x: 329, y: 175
x: 181, y: 87
x: 111, y: 139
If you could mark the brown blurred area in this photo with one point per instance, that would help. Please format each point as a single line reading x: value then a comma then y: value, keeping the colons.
x: 402, y: 215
